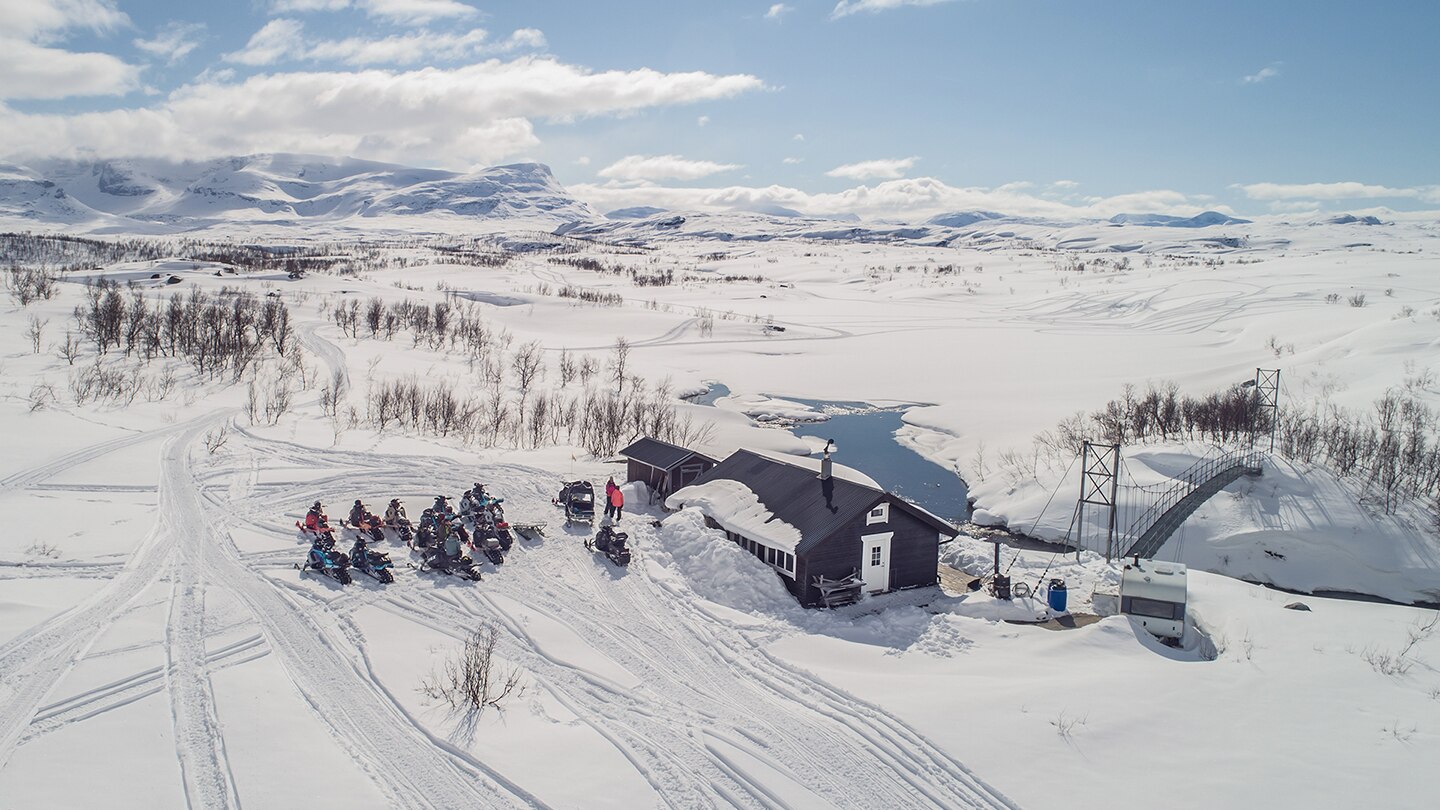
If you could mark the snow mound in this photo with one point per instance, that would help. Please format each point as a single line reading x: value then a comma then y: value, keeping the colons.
x: 984, y: 517
x: 716, y: 568
x: 738, y: 509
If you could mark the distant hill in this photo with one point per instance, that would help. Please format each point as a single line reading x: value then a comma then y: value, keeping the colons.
x: 1202, y: 220
x: 278, y: 188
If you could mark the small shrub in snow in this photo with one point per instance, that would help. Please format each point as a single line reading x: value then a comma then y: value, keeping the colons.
x: 1356, y: 300
x: 472, y: 681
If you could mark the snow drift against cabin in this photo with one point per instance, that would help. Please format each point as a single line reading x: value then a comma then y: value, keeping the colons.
x: 738, y: 509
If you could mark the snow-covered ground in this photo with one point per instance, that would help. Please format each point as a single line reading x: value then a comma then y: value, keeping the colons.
x: 154, y: 631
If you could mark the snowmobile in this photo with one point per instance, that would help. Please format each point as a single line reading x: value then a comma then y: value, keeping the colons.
x: 374, y: 563
x: 612, y: 544
x: 435, y: 559
x: 325, y: 559
x: 325, y: 534
x: 402, y: 528
x: 487, y: 542
x: 370, y: 525
x: 577, y: 498
x: 492, y: 516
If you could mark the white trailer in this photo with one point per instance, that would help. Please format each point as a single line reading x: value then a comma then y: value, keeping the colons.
x: 1154, y: 593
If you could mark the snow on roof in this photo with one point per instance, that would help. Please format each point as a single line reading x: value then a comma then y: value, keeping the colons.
x: 850, y: 474
x: 738, y: 509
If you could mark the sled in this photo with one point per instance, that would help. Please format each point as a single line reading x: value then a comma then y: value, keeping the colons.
x: 529, y: 531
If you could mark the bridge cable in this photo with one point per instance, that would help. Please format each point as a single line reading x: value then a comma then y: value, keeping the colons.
x: 1053, y: 493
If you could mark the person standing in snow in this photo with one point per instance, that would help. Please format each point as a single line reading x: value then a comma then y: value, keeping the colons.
x: 610, y: 496
x: 616, y: 503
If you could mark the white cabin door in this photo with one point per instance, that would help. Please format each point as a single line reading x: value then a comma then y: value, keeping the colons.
x: 875, y: 561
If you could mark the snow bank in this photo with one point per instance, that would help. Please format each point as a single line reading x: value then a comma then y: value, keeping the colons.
x: 716, y: 568
x: 738, y: 509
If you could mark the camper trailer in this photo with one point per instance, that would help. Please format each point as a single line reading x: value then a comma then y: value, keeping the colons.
x: 1154, y: 594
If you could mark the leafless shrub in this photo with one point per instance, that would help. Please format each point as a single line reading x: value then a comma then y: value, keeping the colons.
x: 31, y: 284
x: 70, y: 348
x: 35, y: 331
x: 42, y: 395
x: 1065, y: 725
x: 472, y: 680
x: 40, y: 548
x: 1357, y: 300
x: 215, y: 439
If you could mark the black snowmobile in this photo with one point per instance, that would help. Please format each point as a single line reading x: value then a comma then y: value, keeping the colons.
x: 374, y: 563
x: 402, y: 528
x: 502, y: 526
x: 612, y: 544
x: 487, y: 541
x: 577, y: 498
x: 435, y: 559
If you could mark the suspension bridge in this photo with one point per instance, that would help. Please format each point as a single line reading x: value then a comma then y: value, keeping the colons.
x: 1136, y: 519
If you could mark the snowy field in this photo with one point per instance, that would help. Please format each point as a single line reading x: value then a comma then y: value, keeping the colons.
x: 154, y: 631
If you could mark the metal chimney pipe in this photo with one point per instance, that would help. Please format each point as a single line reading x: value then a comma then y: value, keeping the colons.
x: 825, y: 464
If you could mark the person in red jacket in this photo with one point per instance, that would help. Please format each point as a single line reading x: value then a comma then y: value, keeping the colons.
x: 617, y: 502
x: 609, y: 494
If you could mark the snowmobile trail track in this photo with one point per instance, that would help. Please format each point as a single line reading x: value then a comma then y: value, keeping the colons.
x: 199, y: 741
x: 387, y: 745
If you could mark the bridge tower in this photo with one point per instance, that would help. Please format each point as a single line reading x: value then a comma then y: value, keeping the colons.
x: 1267, y: 386
x: 1099, y: 482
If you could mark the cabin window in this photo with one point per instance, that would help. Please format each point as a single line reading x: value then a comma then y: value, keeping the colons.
x: 875, y: 555
x: 770, y: 555
x: 788, y: 561
x: 880, y: 514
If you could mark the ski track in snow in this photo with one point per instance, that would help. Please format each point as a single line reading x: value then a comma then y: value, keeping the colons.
x: 701, y: 680
x: 385, y: 743
x: 35, y: 661
x: 200, y: 745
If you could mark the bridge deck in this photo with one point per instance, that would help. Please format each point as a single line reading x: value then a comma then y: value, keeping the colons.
x: 1155, y: 536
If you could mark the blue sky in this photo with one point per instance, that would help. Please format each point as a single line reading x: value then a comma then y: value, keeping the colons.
x: 881, y: 107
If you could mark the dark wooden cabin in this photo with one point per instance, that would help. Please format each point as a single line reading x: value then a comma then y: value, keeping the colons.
x: 850, y: 532
x: 663, y: 466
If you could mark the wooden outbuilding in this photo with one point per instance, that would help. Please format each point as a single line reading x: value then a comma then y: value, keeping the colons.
x: 663, y: 466
x: 829, y: 536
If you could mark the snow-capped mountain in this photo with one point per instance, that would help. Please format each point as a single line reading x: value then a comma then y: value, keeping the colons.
x: 277, y: 189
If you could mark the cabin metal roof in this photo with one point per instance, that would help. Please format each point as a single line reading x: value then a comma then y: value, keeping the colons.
x: 658, y: 454
x: 797, y: 496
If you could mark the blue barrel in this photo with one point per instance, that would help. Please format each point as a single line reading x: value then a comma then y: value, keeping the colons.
x: 1058, y: 595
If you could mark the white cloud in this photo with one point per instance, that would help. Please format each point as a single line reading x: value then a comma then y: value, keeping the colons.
x: 456, y: 118
x: 798, y: 137
x: 847, y: 7
x: 173, y: 41
x: 885, y: 169
x: 658, y: 167
x: 415, y: 12
x: 31, y: 69
x: 778, y: 10
x: 1261, y: 75
x: 791, y: 161
x: 1349, y: 190
x: 289, y: 6
x: 583, y: 160
x: 284, y: 40
x: 912, y: 199
x: 1065, y: 184
x: 276, y: 41
x: 41, y: 20
x: 702, y: 121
